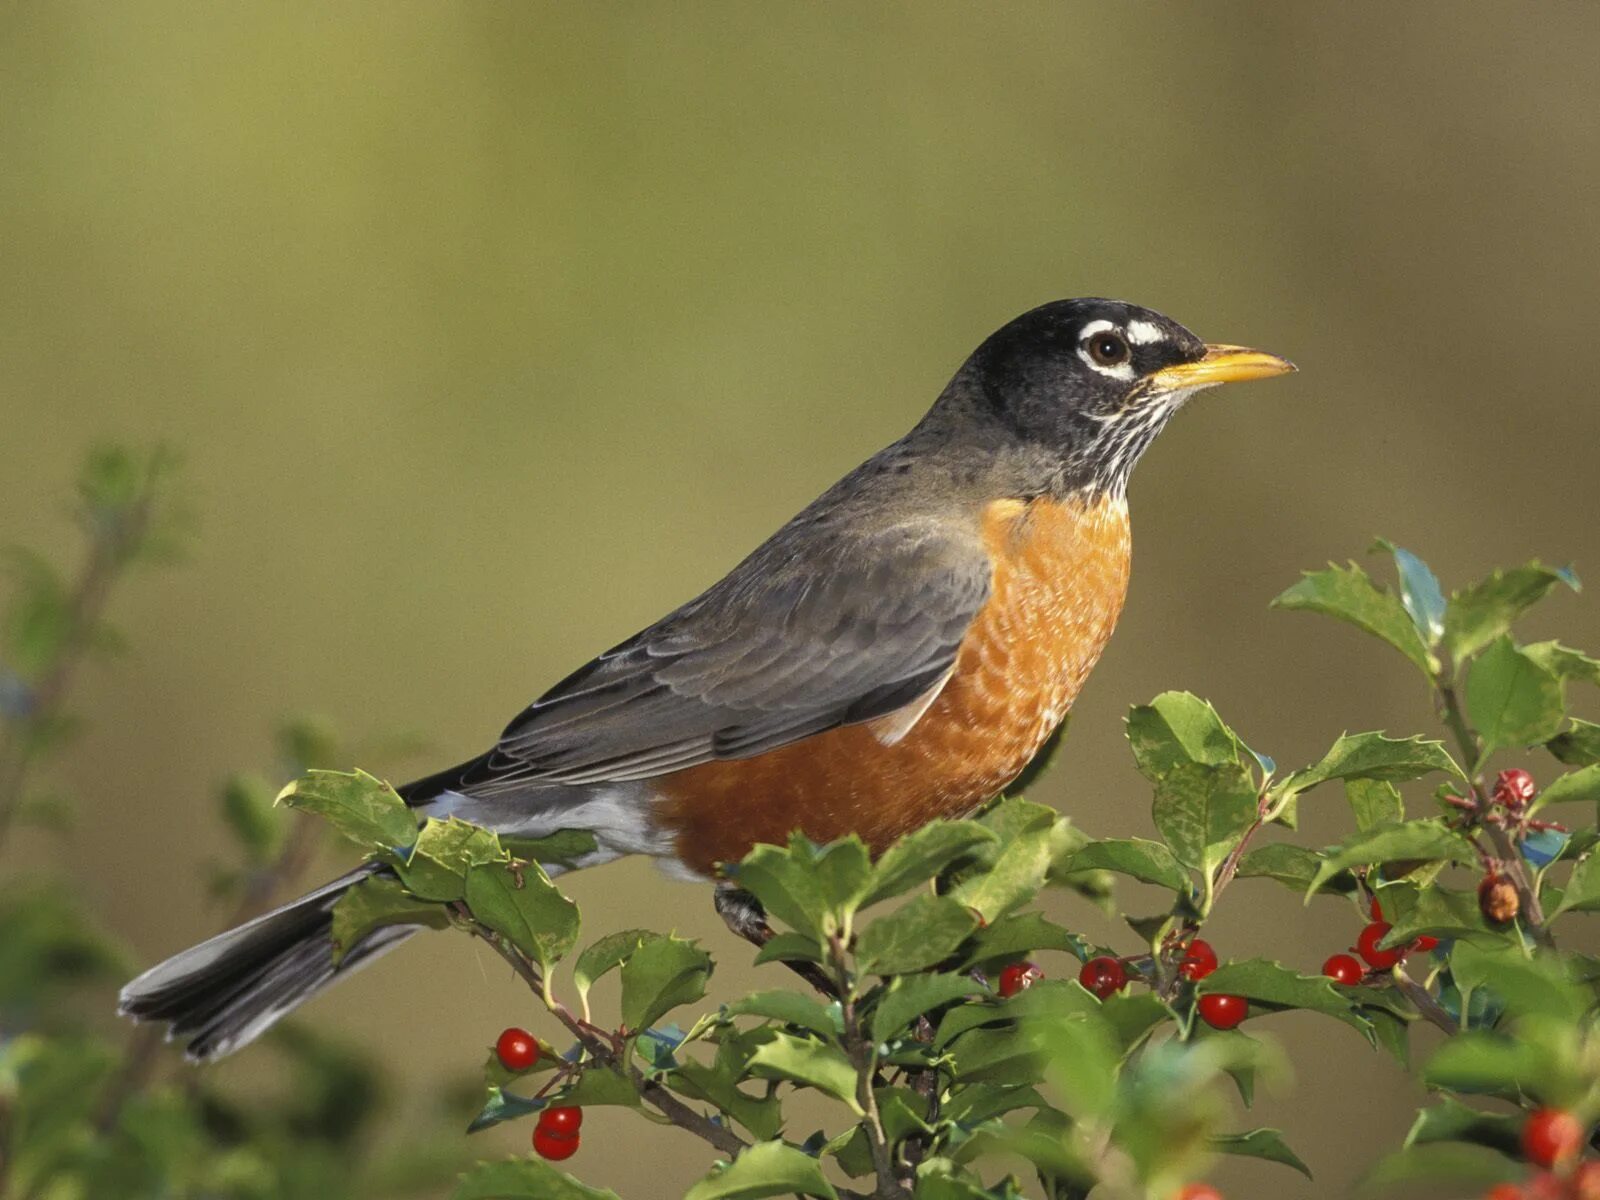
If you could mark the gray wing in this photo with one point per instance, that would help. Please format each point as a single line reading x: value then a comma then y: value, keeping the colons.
x: 792, y: 643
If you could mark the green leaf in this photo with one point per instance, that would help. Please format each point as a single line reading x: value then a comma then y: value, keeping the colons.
x: 1373, y: 756
x: 1579, y: 746
x: 1419, y: 591
x: 1512, y: 700
x: 1537, y: 986
x: 1260, y: 1143
x: 501, y: 1106
x: 604, y: 956
x: 783, y: 880
x: 659, y: 976
x: 1277, y: 986
x: 717, y: 1084
x: 1080, y: 1056
x: 248, y: 808
x: 1203, y: 811
x: 1146, y: 861
x: 1429, y: 840
x: 920, y: 933
x: 790, y: 947
x: 1564, y: 662
x: 1442, y: 1163
x: 998, y: 1055
x: 601, y: 1087
x: 1294, y: 866
x: 525, y: 907
x: 1374, y: 802
x: 920, y: 856
x: 377, y: 901
x: 1021, y: 933
x: 765, y: 1169
x: 810, y: 1063
x: 842, y: 870
x: 1178, y: 728
x: 1014, y: 878
x: 910, y: 996
x: 793, y: 1008
x: 445, y: 851
x: 366, y: 810
x: 1490, y: 1064
x: 1483, y: 612
x: 1582, y: 893
x: 1580, y: 786
x: 1349, y: 595
x: 524, y: 1179
x: 566, y: 848
x: 1049, y: 998
x: 1452, y: 1121
x: 1435, y: 910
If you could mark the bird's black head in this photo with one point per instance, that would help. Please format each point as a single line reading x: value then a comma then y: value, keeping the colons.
x: 1092, y: 382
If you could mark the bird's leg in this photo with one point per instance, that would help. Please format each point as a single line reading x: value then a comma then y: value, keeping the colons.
x: 743, y: 914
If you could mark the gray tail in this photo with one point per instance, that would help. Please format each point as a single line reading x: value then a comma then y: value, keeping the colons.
x: 227, y: 991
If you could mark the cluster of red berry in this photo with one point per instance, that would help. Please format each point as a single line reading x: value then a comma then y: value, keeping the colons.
x: 1105, y: 976
x: 1346, y: 969
x: 556, y: 1135
x: 1552, y: 1139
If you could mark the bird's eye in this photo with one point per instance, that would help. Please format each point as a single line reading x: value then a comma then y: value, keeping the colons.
x: 1108, y: 349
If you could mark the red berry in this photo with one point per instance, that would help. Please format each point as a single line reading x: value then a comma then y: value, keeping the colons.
x: 1199, y: 960
x: 1375, y: 909
x: 554, y: 1146
x: 517, y: 1050
x: 1019, y: 977
x: 1222, y: 1011
x: 1104, y: 976
x: 1585, y: 1182
x: 1345, y: 969
x: 565, y: 1120
x: 1514, y: 788
x: 1424, y: 944
x: 1551, y: 1136
x: 1367, y: 947
x: 1199, y: 1191
x: 1504, y: 1191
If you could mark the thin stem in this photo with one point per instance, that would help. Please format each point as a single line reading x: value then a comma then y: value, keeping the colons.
x: 1424, y: 1002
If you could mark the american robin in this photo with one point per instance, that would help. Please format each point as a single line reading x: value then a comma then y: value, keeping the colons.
x: 896, y: 653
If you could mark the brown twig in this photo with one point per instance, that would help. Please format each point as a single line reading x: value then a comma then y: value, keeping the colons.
x: 1424, y: 1002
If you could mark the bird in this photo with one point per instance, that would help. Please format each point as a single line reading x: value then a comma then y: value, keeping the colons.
x: 896, y: 653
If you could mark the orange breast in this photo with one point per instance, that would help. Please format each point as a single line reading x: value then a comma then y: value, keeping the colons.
x: 1060, y: 575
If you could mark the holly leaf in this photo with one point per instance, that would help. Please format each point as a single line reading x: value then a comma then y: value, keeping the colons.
x: 1477, y: 615
x: 1582, y: 893
x: 783, y: 880
x: 1429, y: 840
x: 1579, y: 746
x: 1564, y: 662
x: 1512, y: 700
x: 364, y: 809
x: 920, y: 933
x: 1375, y: 757
x: 910, y: 996
x: 1178, y: 728
x: 659, y: 976
x: 1203, y: 811
x: 1580, y: 786
x: 765, y: 1169
x: 792, y: 1008
x: 1015, y: 876
x: 1260, y: 1143
x: 1293, y: 866
x: 1146, y: 861
x: 566, y: 848
x: 523, y: 906
x: 604, y: 956
x: 377, y: 901
x: 1374, y: 802
x: 1419, y: 591
x: 921, y: 856
x: 1021, y: 933
x: 501, y: 1106
x: 1275, y: 986
x: 436, y: 868
x: 1443, y: 1163
x: 1452, y: 1121
x: 809, y: 1063
x: 1348, y: 594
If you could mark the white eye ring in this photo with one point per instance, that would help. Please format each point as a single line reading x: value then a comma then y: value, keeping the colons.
x: 1104, y: 347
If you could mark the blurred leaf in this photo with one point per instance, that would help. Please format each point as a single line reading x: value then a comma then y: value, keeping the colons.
x: 807, y: 1062
x: 1203, y: 811
x: 247, y: 806
x: 57, y: 1084
x: 1419, y: 591
x: 1511, y: 699
x: 1374, y: 802
x: 1428, y: 839
x: 366, y: 810
x: 1080, y: 1056
x: 48, y: 941
x: 1490, y: 1064
x: 1045, y: 758
x: 524, y: 1179
x: 765, y: 1169
x: 38, y: 621
x: 793, y: 1008
x: 1439, y: 1163
x: 526, y: 908
x: 307, y: 742
x: 1526, y: 986
x: 1582, y: 892
x: 1449, y: 1120
x: 659, y: 976
x: 1177, y: 729
x: 1260, y: 1143
x: 1373, y: 756
x: 910, y: 996
x: 920, y: 856
x: 377, y: 901
x: 1047, y: 999
x: 1146, y: 861
x: 1564, y: 662
x: 918, y: 934
x: 1483, y: 612
x: 1349, y: 595
x: 1579, y: 746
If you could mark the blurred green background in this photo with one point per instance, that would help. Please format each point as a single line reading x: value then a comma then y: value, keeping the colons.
x: 493, y: 331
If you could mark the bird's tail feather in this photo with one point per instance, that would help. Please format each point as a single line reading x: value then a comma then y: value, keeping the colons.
x: 227, y: 991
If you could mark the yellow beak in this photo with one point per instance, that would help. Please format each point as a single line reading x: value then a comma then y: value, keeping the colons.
x: 1221, y: 364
